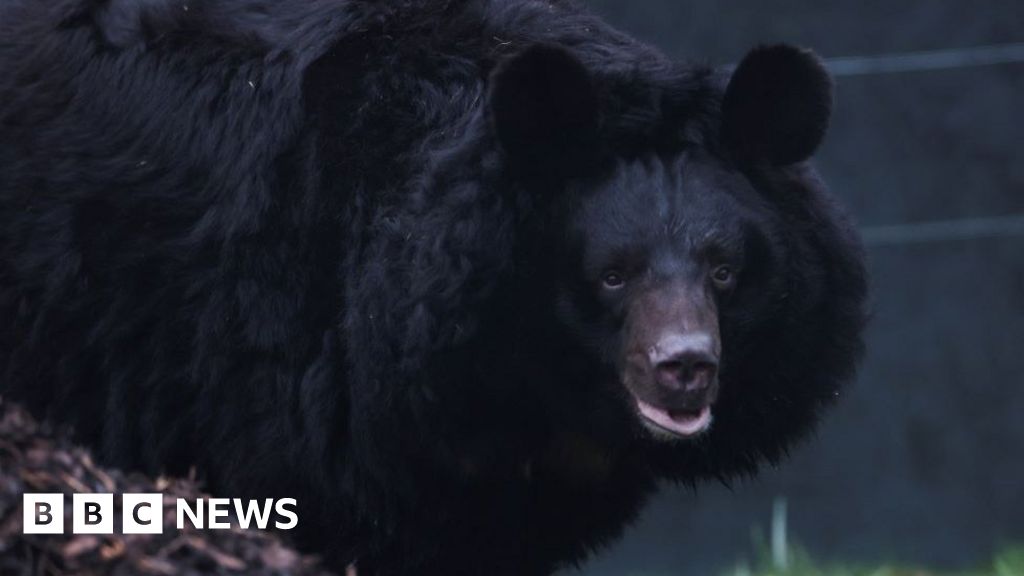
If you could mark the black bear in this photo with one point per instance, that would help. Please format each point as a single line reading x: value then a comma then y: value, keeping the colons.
x: 467, y: 278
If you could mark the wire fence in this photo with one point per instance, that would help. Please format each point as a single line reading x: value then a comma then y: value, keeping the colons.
x: 946, y: 230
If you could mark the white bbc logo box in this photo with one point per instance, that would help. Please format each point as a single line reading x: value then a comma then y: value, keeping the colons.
x: 43, y: 513
x: 142, y: 513
x: 93, y: 513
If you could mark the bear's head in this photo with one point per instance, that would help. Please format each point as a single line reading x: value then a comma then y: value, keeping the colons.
x: 703, y: 274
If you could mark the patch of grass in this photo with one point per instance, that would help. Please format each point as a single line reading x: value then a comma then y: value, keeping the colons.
x: 1010, y: 562
x: 779, y: 557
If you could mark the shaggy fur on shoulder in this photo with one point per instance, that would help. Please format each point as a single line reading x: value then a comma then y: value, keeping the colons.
x: 345, y: 251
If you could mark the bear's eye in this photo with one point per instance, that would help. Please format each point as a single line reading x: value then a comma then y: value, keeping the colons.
x: 613, y: 280
x: 723, y: 276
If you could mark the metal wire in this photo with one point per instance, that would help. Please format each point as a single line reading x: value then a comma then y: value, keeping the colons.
x: 944, y: 230
x: 930, y: 60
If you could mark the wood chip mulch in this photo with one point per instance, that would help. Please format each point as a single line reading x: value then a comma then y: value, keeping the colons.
x: 35, y: 459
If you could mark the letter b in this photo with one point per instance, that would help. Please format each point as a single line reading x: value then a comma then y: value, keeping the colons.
x: 43, y: 513
x: 92, y: 514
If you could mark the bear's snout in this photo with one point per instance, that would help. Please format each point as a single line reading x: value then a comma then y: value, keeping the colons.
x: 671, y: 358
x: 685, y: 364
x: 678, y: 372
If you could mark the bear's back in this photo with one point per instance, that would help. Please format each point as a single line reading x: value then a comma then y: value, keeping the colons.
x: 185, y: 190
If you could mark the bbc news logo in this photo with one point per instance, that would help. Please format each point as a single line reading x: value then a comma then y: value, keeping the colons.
x: 144, y: 513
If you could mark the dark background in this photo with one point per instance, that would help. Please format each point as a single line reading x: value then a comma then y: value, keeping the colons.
x: 923, y: 461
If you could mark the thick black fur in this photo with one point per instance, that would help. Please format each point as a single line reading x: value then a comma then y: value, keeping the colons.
x: 322, y: 249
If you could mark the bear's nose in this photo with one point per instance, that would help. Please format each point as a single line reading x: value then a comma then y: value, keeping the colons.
x: 685, y: 363
x: 687, y: 371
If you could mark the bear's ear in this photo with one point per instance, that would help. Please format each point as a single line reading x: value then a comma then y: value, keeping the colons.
x: 544, y: 107
x: 777, y: 105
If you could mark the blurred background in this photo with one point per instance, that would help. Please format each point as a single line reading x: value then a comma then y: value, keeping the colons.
x: 923, y: 461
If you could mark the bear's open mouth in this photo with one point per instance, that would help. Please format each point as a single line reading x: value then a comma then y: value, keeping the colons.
x: 674, y: 423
